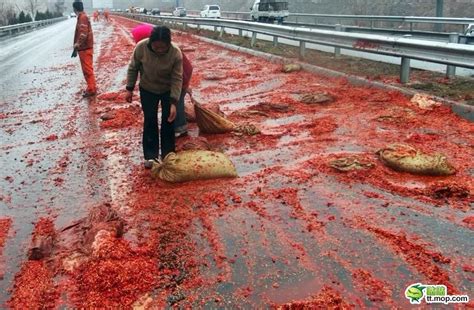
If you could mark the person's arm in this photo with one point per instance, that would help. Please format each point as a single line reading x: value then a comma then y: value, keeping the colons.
x: 132, y: 74
x: 83, y: 31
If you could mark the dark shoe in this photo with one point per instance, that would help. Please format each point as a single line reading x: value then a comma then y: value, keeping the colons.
x: 87, y: 94
x: 180, y: 134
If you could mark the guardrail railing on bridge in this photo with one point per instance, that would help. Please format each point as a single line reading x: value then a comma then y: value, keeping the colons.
x: 410, y: 20
x: 451, y: 54
x: 11, y: 29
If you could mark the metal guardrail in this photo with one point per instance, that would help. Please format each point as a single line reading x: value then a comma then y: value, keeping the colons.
x: 11, y: 29
x: 399, y: 19
x: 451, y: 54
x: 368, y: 29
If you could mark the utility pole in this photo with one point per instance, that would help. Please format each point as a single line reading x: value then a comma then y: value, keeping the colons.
x: 439, y: 13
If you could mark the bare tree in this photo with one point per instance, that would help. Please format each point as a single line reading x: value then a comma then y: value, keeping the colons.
x: 7, y: 11
x: 33, y: 6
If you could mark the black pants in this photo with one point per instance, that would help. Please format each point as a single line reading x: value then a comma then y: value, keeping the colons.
x: 151, y: 139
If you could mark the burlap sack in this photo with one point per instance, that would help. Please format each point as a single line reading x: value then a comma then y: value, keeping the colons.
x: 402, y: 157
x: 194, y: 165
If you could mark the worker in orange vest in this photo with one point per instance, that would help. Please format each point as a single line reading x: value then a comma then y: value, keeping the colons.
x: 106, y: 15
x: 96, y: 16
x: 83, y: 45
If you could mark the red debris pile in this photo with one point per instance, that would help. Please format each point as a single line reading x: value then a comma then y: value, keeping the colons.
x: 328, y: 298
x: 125, y: 117
x: 373, y: 288
x: 34, y: 286
x: 115, y: 277
x: 423, y: 260
x: 5, y: 224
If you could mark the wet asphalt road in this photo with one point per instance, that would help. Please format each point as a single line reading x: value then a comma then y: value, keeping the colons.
x: 42, y: 136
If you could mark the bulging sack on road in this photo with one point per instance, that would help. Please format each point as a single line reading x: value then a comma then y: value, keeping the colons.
x: 194, y: 165
x: 211, y: 122
x: 247, y: 129
x: 288, y: 68
x: 351, y: 163
x: 402, y: 157
x: 425, y: 102
x: 317, y: 98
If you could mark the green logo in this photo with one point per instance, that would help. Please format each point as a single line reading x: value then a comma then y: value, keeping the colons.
x: 415, y: 293
x: 433, y: 294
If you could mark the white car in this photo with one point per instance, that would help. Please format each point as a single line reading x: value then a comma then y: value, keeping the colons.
x: 211, y: 11
x: 72, y: 15
x: 470, y: 30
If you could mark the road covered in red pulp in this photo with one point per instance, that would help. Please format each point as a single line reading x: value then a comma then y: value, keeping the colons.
x: 84, y: 225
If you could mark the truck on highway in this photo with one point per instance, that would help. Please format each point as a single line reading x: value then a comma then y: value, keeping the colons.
x: 269, y: 11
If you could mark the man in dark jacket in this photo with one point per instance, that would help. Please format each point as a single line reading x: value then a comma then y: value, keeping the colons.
x: 83, y: 45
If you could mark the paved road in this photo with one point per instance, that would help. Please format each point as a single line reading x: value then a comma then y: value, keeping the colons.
x: 45, y: 168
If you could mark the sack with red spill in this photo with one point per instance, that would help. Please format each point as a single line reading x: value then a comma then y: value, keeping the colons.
x: 194, y: 165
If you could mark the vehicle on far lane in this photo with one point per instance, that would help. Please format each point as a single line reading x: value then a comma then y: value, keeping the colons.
x: 269, y: 11
x: 179, y: 12
x: 211, y: 11
x: 470, y: 30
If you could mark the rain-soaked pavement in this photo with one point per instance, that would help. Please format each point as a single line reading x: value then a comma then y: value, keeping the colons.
x: 290, y: 231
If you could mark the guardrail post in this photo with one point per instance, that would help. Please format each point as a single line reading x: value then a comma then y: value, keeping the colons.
x: 275, y: 41
x: 241, y: 33
x: 254, y: 39
x: 302, y: 49
x: 405, y: 70
x: 411, y: 26
x: 184, y: 26
x: 215, y: 28
x: 451, y: 70
x: 337, y: 50
x: 221, y: 34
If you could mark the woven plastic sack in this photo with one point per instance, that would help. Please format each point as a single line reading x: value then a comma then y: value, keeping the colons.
x: 211, y: 122
x: 425, y: 102
x: 402, y: 157
x: 194, y: 165
x: 346, y: 164
x: 317, y: 98
x: 291, y: 68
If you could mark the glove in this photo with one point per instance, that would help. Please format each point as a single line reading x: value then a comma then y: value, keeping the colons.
x: 74, y: 53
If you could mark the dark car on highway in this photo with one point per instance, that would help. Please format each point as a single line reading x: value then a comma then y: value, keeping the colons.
x: 179, y: 12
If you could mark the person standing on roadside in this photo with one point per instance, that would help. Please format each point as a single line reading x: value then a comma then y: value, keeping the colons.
x: 96, y: 16
x: 83, y: 45
x: 160, y: 64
